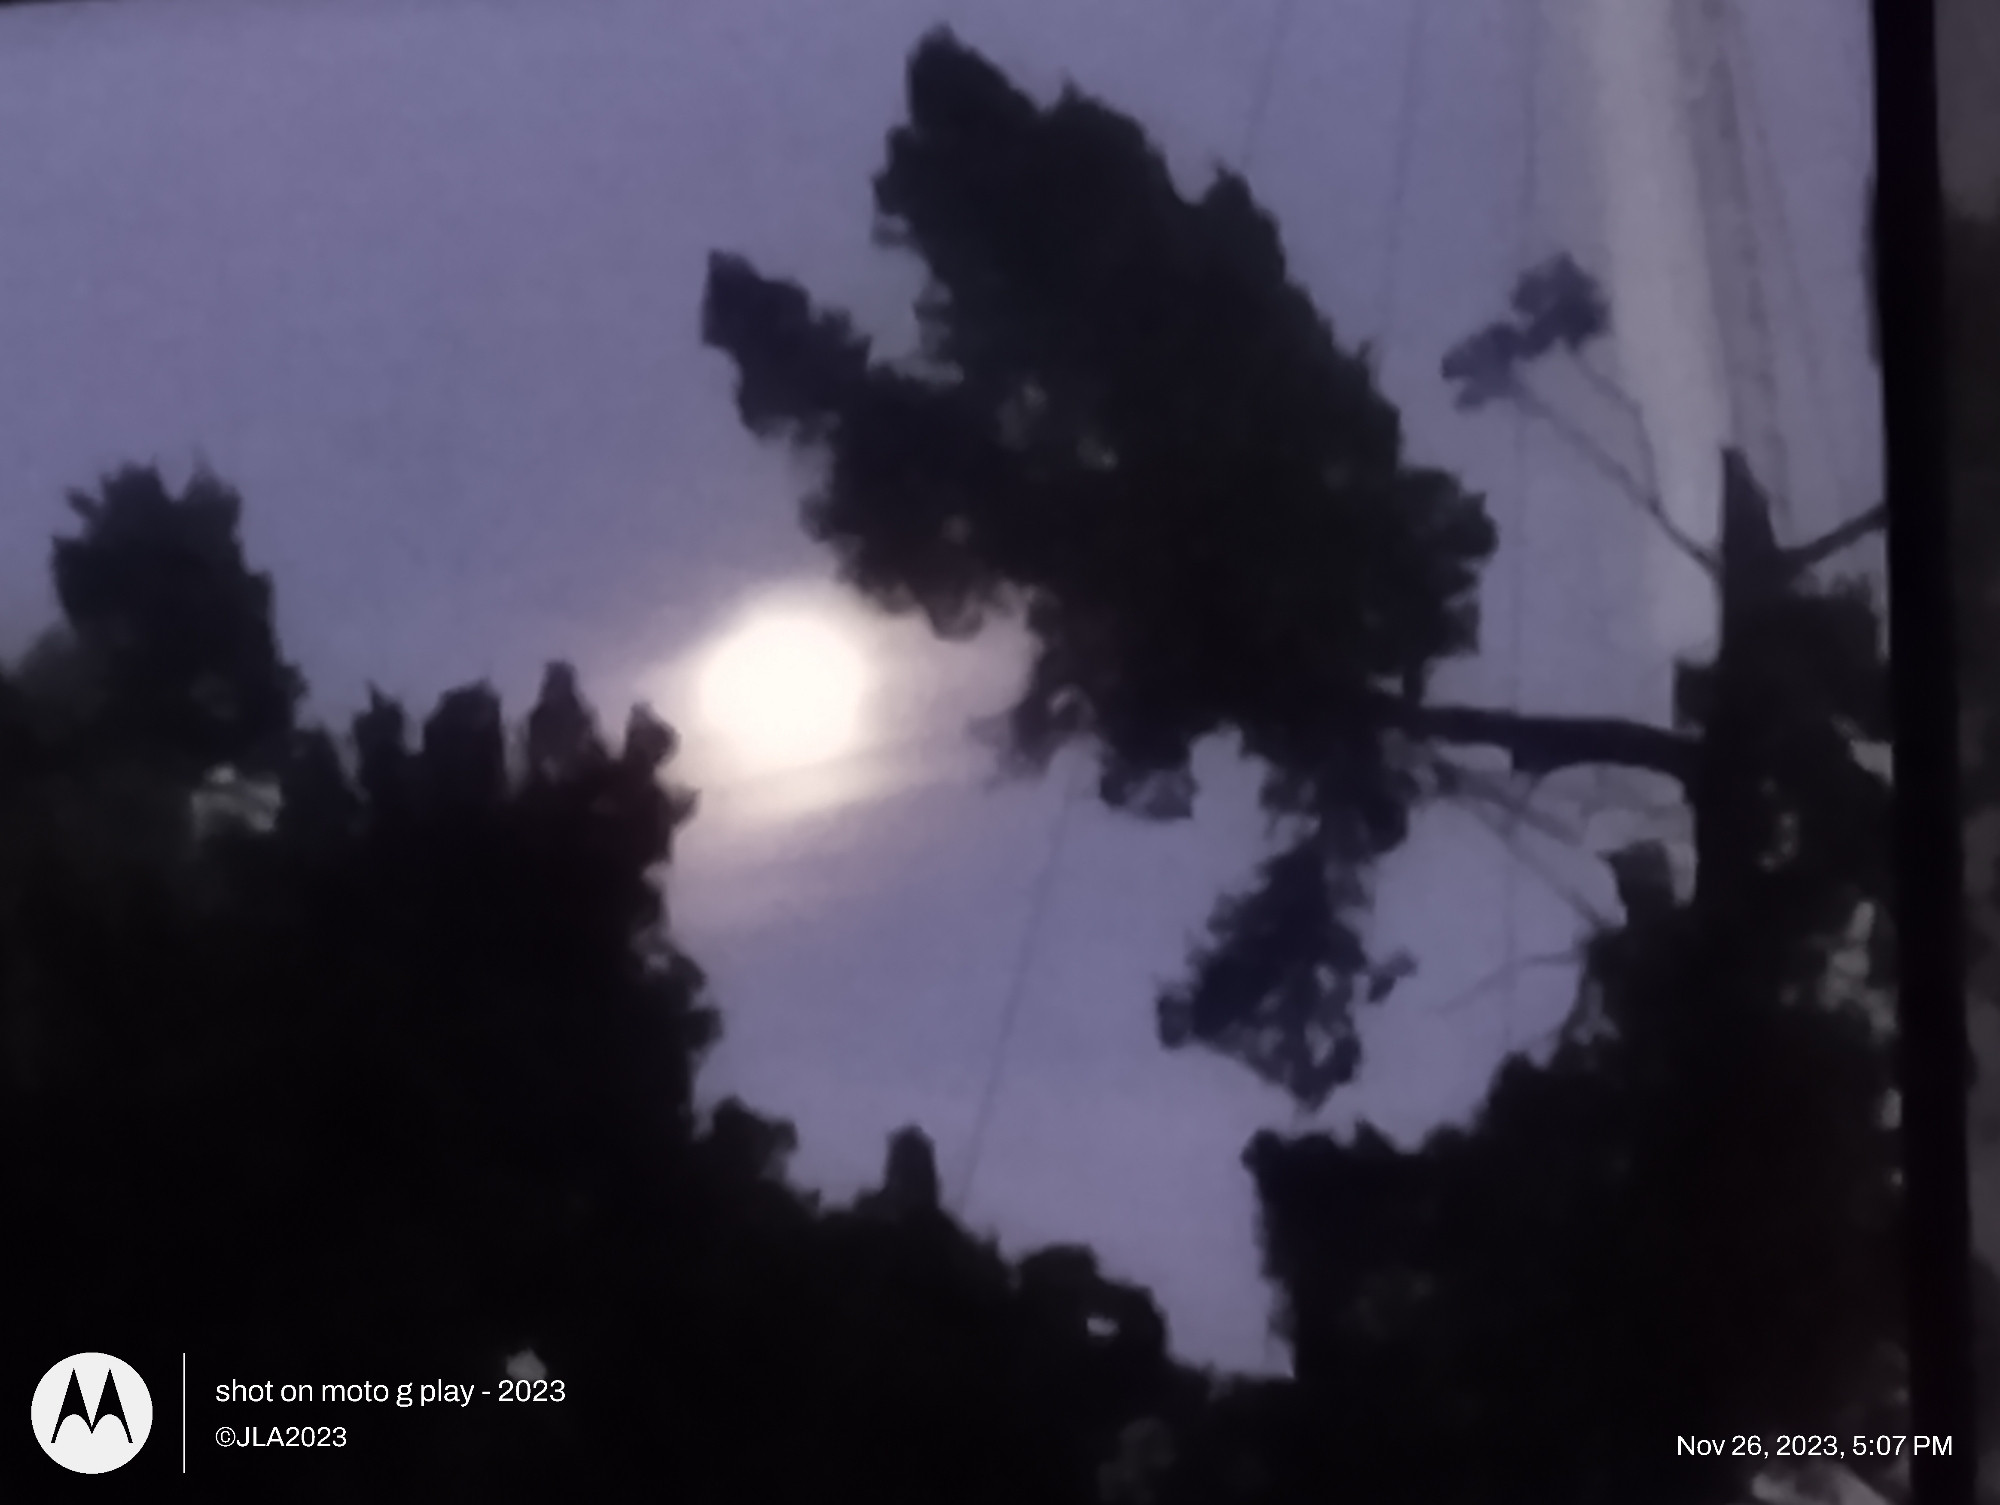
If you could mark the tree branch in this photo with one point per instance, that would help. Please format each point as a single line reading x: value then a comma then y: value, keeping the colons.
x: 1623, y: 478
x: 1540, y: 745
x: 1806, y: 555
x: 1612, y: 391
x: 1502, y: 975
x: 1552, y: 881
x: 1466, y: 784
x: 1627, y: 404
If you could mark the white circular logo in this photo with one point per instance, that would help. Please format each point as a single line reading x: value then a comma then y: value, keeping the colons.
x: 92, y: 1413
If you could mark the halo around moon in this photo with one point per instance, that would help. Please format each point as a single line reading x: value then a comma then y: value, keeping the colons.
x: 783, y: 690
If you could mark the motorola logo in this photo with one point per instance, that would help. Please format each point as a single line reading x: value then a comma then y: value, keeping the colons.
x: 92, y: 1413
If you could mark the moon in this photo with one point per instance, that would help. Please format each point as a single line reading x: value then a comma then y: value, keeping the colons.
x: 784, y: 690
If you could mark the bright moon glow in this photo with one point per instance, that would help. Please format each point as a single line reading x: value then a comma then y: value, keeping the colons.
x: 784, y: 692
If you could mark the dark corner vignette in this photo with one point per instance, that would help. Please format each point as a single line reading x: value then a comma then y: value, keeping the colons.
x: 1924, y: 667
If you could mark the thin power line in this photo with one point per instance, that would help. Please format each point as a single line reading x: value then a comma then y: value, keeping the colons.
x: 1525, y: 237
x: 1260, y: 102
x: 1017, y: 988
x: 1555, y: 884
x: 1630, y: 485
x: 1506, y: 975
x: 1531, y: 113
x: 1406, y: 130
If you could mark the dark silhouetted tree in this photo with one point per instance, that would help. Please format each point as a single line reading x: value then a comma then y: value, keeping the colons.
x: 1127, y: 426
x: 181, y: 634
x: 402, y: 1080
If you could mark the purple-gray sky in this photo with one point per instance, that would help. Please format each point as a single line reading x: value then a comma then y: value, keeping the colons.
x: 422, y: 279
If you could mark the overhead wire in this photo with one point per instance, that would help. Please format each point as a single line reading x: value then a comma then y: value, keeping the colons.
x: 1640, y: 486
x: 1016, y: 991
x: 1260, y: 100
x: 1555, y: 884
x: 1387, y: 311
x: 1517, y: 606
x: 1505, y: 974
x: 1406, y: 130
x: 1017, y: 987
x: 1773, y: 189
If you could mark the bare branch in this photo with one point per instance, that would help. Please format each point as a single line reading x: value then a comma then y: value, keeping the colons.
x: 1851, y: 532
x: 1506, y: 973
x: 1611, y: 391
x: 1633, y: 486
x: 1585, y: 910
x: 1462, y: 783
x: 1540, y: 745
x: 1615, y: 394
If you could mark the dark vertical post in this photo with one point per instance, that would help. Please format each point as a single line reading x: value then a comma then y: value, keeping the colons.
x: 1909, y: 264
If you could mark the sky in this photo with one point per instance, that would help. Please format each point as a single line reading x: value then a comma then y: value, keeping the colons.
x: 422, y: 279
x: 1802, y: 119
